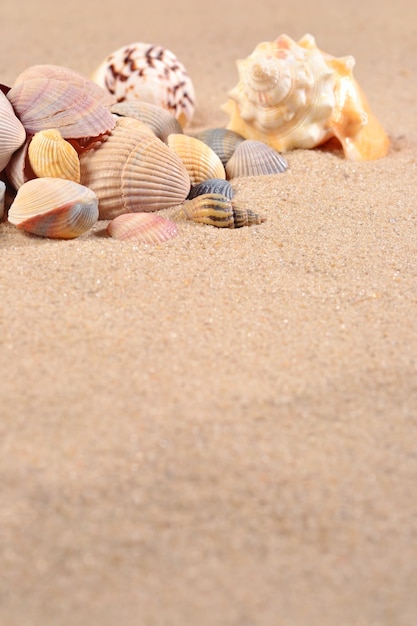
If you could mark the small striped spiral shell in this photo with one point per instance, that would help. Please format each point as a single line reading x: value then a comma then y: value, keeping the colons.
x: 217, y: 210
x: 212, y: 185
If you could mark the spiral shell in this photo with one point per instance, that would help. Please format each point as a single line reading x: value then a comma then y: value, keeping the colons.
x: 217, y: 210
x: 142, y: 227
x: 159, y: 120
x: 223, y: 141
x: 54, y: 207
x: 292, y: 95
x: 143, y: 71
x: 255, y: 158
x: 47, y: 101
x: 212, y: 185
x: 134, y: 171
x: 12, y: 132
x: 50, y: 155
x: 199, y: 159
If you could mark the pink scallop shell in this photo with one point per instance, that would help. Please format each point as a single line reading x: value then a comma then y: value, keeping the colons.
x: 142, y: 227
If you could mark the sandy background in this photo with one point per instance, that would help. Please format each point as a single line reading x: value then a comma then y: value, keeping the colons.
x: 220, y: 431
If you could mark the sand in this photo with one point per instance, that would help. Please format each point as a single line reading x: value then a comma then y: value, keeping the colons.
x: 221, y: 430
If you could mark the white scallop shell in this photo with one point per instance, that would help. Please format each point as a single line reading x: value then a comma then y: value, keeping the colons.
x: 143, y: 71
x: 12, y: 132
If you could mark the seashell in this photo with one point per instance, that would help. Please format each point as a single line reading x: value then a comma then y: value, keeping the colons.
x: 18, y: 170
x: 151, y: 73
x: 199, y: 159
x: 212, y: 185
x: 65, y: 74
x: 49, y: 102
x: 54, y: 207
x: 293, y: 95
x: 255, y: 158
x: 142, y: 227
x: 223, y: 141
x: 50, y: 155
x: 134, y: 171
x: 2, y: 196
x: 161, y: 121
x: 12, y: 132
x: 217, y: 210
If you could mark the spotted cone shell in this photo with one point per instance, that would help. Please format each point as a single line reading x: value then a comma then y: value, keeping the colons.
x: 134, y: 171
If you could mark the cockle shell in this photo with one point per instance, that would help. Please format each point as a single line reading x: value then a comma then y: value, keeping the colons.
x: 48, y: 101
x: 134, y: 171
x: 217, y: 210
x: 223, y: 141
x: 12, y: 132
x: 142, y: 227
x: 255, y: 158
x: 159, y: 120
x: 199, y: 159
x: 50, y: 155
x: 143, y: 71
x: 212, y: 185
x: 54, y: 207
x: 18, y: 169
x: 293, y: 95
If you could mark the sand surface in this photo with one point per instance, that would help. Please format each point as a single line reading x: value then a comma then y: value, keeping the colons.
x: 221, y: 430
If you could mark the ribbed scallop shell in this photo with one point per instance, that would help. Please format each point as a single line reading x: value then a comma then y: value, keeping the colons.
x: 134, y: 171
x: 217, y: 210
x: 12, y: 132
x: 54, y: 207
x: 255, y: 158
x: 142, y: 227
x: 159, y: 120
x: 51, y: 155
x: 223, y: 141
x: 59, y: 72
x: 199, y: 159
x: 49, y: 102
x: 18, y: 170
x: 292, y: 95
x: 212, y: 185
x: 143, y: 71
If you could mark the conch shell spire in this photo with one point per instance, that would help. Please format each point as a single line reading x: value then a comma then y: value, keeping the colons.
x: 293, y: 95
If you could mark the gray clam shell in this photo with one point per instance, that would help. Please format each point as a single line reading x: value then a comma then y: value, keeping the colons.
x: 212, y: 185
x: 255, y: 158
x: 222, y: 140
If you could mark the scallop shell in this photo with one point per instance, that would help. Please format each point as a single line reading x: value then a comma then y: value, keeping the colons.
x: 12, y: 132
x: 143, y: 71
x: 217, y: 210
x: 2, y: 196
x: 199, y: 159
x: 212, y: 185
x: 159, y: 120
x: 54, y: 207
x: 134, y: 171
x: 59, y: 72
x: 255, y: 158
x: 50, y: 155
x: 223, y: 141
x: 292, y: 95
x: 142, y: 227
x: 45, y: 102
x: 18, y: 170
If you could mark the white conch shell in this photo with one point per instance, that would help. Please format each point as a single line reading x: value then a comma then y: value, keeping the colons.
x: 12, y: 132
x: 292, y: 95
x: 143, y: 71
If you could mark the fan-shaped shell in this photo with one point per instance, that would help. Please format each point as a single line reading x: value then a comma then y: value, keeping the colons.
x: 222, y: 140
x: 134, y: 171
x: 12, y: 132
x: 217, y: 210
x: 255, y: 158
x: 292, y: 95
x: 199, y: 159
x: 51, y: 155
x: 48, y: 102
x: 59, y: 72
x: 54, y: 207
x: 142, y: 227
x: 212, y: 185
x: 159, y: 120
x: 18, y: 170
x: 143, y: 71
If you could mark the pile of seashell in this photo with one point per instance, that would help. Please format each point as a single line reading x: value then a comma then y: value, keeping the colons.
x: 76, y: 150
